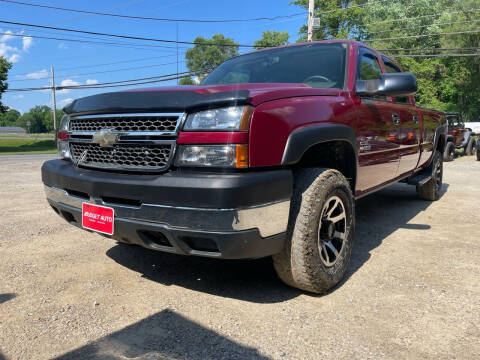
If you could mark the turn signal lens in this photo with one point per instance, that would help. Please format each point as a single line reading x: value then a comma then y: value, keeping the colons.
x: 241, y: 155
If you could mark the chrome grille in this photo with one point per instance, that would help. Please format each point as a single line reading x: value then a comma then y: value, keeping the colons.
x: 141, y: 142
x: 134, y: 122
x: 122, y: 156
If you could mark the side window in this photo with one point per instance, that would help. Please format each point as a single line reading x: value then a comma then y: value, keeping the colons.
x: 392, y: 68
x: 369, y: 67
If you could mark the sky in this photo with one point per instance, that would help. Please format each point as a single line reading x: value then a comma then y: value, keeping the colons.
x: 77, y: 63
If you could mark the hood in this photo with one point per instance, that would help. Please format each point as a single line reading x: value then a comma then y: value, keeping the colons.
x: 190, y: 98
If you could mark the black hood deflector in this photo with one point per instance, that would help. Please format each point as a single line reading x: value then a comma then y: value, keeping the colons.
x: 155, y: 101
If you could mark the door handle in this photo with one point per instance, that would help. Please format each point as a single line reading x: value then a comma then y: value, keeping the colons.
x: 415, y: 119
x: 396, y: 119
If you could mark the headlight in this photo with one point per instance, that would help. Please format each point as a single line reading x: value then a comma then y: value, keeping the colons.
x: 232, y: 118
x: 62, y: 138
x: 212, y: 155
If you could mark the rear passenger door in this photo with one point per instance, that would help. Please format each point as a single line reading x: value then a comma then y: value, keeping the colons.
x: 378, y: 155
x: 406, y: 118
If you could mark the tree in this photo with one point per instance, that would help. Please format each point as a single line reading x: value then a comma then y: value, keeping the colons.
x: 209, y: 53
x: 40, y: 118
x: 9, y: 118
x: 186, y: 81
x: 339, y: 19
x: 271, y: 39
x: 4, y: 67
x: 418, y: 26
x: 445, y: 83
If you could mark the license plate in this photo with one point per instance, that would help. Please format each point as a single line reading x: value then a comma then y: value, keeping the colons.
x: 97, y: 218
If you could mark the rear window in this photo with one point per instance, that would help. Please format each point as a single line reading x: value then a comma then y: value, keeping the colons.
x: 317, y: 65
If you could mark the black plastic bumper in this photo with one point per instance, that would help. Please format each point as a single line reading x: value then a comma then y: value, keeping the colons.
x: 187, y: 189
x: 214, y: 215
x: 247, y: 244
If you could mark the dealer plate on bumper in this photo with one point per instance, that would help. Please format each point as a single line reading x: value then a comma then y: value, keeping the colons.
x: 97, y: 218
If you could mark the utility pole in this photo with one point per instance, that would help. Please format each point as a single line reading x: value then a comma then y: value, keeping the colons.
x: 310, y: 19
x: 54, y: 102
x: 177, y: 52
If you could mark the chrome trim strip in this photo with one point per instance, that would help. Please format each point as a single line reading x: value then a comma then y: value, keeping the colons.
x: 270, y: 219
x: 126, y: 115
x: 127, y: 133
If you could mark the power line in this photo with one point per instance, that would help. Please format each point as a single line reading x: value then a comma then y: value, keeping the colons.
x: 131, y: 82
x: 121, y: 36
x: 102, y: 72
x: 428, y: 49
x: 420, y: 27
x: 435, y: 55
x: 115, y: 44
x: 421, y: 16
x: 425, y: 35
x: 105, y: 64
x: 137, y: 17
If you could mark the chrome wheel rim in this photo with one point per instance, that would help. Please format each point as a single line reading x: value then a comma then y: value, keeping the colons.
x: 331, y: 231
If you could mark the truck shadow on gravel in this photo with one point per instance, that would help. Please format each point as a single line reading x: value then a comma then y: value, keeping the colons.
x: 377, y: 216
x: 5, y: 297
x: 164, y: 335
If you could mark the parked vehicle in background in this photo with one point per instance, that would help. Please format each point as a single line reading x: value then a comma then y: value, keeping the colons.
x: 266, y: 158
x: 458, y: 137
x: 478, y: 149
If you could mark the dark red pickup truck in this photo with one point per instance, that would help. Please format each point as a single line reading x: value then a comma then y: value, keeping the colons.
x: 265, y: 158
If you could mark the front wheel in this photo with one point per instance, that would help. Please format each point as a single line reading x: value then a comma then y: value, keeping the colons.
x: 449, y: 153
x: 320, y: 231
x: 432, y: 188
x: 470, y: 150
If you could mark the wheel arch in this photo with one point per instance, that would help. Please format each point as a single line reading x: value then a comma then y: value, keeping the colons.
x: 324, y: 145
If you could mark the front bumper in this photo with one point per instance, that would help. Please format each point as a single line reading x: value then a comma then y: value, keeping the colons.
x: 241, y: 215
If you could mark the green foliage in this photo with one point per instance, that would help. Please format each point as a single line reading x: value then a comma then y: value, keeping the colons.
x: 9, y: 118
x: 445, y: 83
x: 206, y: 54
x: 40, y: 118
x: 335, y: 23
x: 186, y: 81
x: 4, y: 67
x: 271, y: 39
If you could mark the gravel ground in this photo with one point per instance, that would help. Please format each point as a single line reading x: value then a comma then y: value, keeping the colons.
x: 412, y: 288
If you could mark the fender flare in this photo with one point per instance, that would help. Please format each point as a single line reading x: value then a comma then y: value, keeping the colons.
x: 300, y: 140
x: 440, y: 130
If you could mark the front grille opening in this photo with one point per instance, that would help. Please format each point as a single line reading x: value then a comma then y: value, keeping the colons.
x: 154, y: 237
x: 78, y: 194
x: 68, y: 216
x: 122, y: 156
x: 200, y: 244
x: 121, y: 201
x: 162, y: 123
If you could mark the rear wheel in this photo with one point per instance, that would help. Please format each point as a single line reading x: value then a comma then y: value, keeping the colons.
x: 432, y: 188
x: 449, y: 153
x: 320, y: 231
x: 471, y: 146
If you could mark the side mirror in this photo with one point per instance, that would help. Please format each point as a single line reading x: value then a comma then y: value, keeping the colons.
x: 390, y: 84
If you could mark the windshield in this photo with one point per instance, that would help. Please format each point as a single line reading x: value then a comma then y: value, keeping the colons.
x: 454, y: 121
x: 317, y: 65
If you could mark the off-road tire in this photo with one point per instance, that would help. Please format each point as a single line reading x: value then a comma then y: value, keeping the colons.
x: 300, y: 264
x: 478, y: 154
x: 470, y: 150
x: 432, y: 188
x: 449, y: 153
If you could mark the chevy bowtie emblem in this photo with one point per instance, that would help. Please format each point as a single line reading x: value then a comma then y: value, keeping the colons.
x: 105, y: 137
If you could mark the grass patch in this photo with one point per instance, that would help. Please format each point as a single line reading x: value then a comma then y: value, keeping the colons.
x: 27, y: 146
x: 27, y: 136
